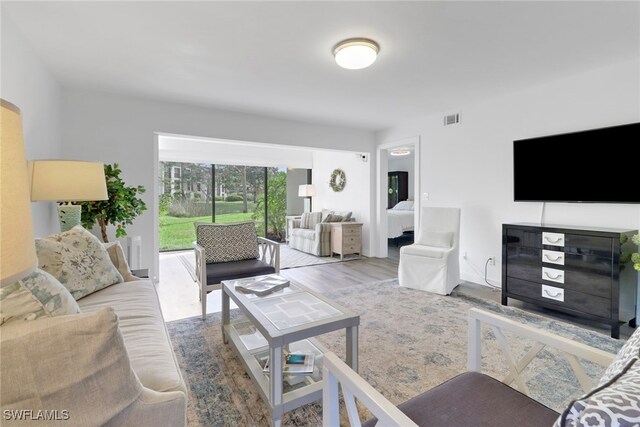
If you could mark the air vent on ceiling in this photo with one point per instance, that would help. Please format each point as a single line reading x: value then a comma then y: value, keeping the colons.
x: 451, y: 119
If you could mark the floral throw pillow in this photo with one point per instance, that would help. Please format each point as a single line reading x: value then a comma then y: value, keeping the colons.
x: 78, y: 260
x: 37, y: 295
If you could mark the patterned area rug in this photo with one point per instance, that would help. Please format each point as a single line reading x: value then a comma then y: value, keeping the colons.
x: 410, y: 341
x: 289, y: 258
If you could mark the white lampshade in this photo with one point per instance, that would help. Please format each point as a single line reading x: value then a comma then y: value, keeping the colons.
x: 17, y: 247
x: 307, y: 190
x: 355, y: 54
x: 67, y: 181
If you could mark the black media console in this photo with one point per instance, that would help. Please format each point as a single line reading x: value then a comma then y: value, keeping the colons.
x: 575, y: 270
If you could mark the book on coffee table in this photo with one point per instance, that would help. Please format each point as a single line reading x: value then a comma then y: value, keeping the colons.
x: 263, y: 285
x: 295, y: 363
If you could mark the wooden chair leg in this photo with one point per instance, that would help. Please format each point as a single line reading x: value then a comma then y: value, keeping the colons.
x: 203, y: 301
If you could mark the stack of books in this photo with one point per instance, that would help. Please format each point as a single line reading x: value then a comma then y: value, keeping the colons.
x: 295, y: 363
x: 263, y: 285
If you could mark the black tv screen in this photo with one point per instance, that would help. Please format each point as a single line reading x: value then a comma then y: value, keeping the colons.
x: 594, y: 166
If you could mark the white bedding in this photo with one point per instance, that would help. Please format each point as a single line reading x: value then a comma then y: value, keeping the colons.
x: 399, y: 221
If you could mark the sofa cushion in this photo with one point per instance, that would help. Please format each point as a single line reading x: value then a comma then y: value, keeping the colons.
x: 216, y: 273
x: 438, y: 239
x: 116, y: 254
x: 616, y: 403
x: 144, y: 332
x: 227, y: 242
x: 424, y: 251
x: 78, y: 260
x: 304, y: 233
x: 75, y: 364
x: 474, y: 399
x: 37, y: 295
x: 630, y: 350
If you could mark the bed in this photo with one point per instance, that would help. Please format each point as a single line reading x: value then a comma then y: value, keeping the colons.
x: 400, y: 219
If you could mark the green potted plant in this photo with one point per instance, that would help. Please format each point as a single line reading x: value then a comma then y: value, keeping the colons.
x: 122, y: 207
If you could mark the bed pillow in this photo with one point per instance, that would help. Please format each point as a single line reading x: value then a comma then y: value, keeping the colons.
x: 78, y: 260
x: 405, y: 205
x: 37, y: 295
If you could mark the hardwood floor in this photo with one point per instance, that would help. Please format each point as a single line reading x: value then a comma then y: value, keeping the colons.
x: 178, y: 292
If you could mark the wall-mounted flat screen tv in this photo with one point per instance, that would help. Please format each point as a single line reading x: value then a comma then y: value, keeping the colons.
x: 591, y: 166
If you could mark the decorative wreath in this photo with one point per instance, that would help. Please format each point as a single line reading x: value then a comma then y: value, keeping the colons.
x: 338, y: 180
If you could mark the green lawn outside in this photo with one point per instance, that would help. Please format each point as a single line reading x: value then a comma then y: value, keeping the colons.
x: 179, y: 233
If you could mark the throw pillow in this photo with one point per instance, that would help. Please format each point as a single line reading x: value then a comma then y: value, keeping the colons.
x: 346, y: 215
x: 438, y: 239
x: 629, y: 351
x: 615, y: 403
x: 116, y: 254
x: 309, y: 220
x: 333, y: 218
x: 67, y: 363
x: 78, y: 260
x: 228, y: 242
x: 37, y: 295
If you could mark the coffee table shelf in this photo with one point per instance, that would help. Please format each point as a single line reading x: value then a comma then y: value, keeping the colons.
x: 285, y: 320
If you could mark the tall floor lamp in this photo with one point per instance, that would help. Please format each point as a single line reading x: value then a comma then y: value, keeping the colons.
x: 17, y: 247
x: 67, y: 181
x: 307, y: 191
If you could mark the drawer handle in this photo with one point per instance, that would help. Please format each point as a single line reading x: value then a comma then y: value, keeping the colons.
x: 559, y: 239
x: 557, y: 276
x: 556, y: 295
x: 559, y: 257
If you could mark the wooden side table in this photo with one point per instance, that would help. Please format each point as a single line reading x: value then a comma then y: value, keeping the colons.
x: 346, y: 238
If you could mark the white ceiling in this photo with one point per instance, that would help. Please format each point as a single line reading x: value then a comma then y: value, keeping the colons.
x: 274, y: 58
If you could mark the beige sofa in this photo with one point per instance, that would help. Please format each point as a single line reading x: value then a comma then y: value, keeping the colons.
x: 112, y: 364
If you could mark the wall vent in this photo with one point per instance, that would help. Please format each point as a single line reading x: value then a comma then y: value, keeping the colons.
x: 451, y: 119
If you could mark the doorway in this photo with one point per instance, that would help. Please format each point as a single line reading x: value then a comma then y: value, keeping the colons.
x: 398, y: 185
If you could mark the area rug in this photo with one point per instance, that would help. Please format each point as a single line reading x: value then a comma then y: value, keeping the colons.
x: 409, y: 341
x: 289, y: 258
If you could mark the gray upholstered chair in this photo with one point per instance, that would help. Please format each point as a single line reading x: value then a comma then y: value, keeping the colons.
x: 231, y: 251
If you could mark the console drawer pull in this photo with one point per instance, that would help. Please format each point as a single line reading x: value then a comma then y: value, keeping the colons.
x: 550, y: 292
x: 558, y: 258
x: 554, y: 239
x: 553, y: 275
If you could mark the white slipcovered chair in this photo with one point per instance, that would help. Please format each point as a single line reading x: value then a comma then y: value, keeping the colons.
x: 432, y: 263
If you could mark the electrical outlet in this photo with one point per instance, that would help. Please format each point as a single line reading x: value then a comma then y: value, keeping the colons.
x: 464, y: 256
x: 492, y: 260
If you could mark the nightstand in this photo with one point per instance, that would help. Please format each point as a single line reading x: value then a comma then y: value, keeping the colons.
x: 346, y: 238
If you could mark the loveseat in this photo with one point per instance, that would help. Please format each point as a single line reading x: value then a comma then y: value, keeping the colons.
x: 311, y: 233
x: 110, y: 364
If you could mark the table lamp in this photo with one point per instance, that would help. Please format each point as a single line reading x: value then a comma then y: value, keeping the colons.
x: 307, y: 191
x: 17, y: 247
x: 67, y: 181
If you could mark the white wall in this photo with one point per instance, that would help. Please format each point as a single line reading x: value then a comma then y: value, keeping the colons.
x: 295, y: 178
x: 26, y: 83
x: 404, y: 164
x: 357, y: 194
x: 470, y: 165
x: 122, y: 129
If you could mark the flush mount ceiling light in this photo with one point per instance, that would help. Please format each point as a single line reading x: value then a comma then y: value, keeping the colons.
x: 400, y: 152
x: 355, y: 54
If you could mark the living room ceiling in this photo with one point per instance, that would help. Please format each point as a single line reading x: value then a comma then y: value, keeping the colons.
x: 275, y: 59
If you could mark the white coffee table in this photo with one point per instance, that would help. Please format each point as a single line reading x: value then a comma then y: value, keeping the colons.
x: 285, y: 320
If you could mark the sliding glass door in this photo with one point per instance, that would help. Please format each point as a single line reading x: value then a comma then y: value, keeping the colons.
x: 195, y: 192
